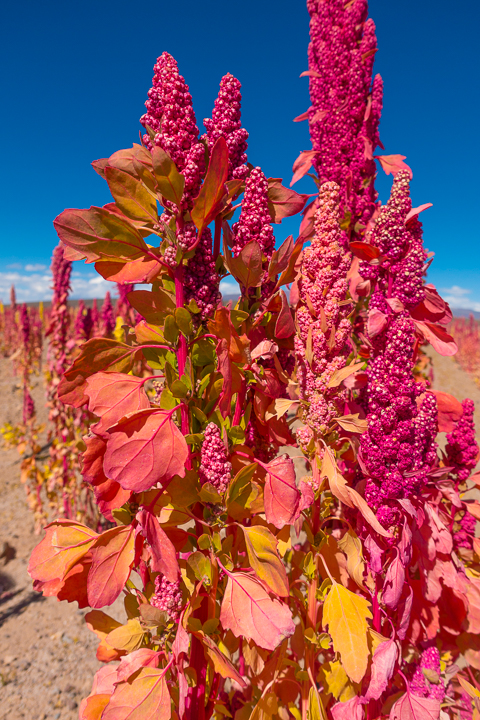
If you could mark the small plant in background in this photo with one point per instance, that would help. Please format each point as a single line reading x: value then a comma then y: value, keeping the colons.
x: 286, y: 534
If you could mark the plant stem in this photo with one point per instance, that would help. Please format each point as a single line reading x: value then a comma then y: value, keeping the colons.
x: 216, y: 239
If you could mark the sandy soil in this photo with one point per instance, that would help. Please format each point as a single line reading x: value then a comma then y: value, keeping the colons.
x: 47, y: 654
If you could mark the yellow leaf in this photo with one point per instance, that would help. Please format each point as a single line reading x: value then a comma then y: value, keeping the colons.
x: 337, y: 682
x: 316, y: 710
x: 264, y: 559
x: 265, y: 708
x: 468, y: 687
x: 340, y: 375
x: 338, y: 484
x: 346, y: 614
x: 127, y: 637
x: 352, y: 547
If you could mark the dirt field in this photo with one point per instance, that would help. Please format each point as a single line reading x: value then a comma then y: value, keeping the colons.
x: 47, y: 655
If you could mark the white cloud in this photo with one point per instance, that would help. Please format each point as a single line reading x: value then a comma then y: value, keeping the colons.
x: 229, y: 288
x: 35, y: 286
x: 36, y: 267
x: 14, y: 266
x: 457, y: 297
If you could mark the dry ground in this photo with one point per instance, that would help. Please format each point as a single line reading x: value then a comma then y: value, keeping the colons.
x: 47, y: 655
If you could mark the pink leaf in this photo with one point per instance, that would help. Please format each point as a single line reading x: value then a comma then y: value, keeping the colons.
x: 281, y: 496
x: 383, y: 665
x: 302, y: 117
x: 393, y: 163
x: 414, y: 212
x: 302, y: 165
x: 404, y: 612
x: 164, y: 557
x: 394, y: 581
x: 145, y: 697
x: 113, y: 395
x: 411, y: 707
x: 283, y: 202
x: 129, y: 664
x: 248, y: 611
x: 350, y: 710
x: 145, y: 449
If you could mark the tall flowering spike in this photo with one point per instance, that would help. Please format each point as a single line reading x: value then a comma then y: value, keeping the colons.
x: 321, y: 344
x: 171, y: 117
x: 254, y: 222
x: 13, y: 298
x: 28, y: 405
x: 201, y: 281
x: 83, y: 322
x: 401, y: 273
x: 226, y: 122
x: 346, y: 106
x: 59, y: 318
x: 108, y: 316
x: 95, y: 317
x: 398, y: 448
x: 420, y: 686
x: 25, y: 326
x: 462, y: 447
x: 167, y: 597
x: 215, y: 467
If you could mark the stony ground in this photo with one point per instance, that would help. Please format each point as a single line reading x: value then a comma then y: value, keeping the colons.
x: 47, y: 654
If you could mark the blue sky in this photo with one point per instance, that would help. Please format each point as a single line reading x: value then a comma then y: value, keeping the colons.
x: 75, y: 77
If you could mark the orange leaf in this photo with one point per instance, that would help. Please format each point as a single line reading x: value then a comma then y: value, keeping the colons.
x: 146, y: 697
x: 247, y: 610
x: 302, y: 165
x: 393, y: 163
x: 65, y: 543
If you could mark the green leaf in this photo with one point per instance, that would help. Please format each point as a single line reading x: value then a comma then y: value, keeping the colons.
x: 167, y: 401
x: 241, y: 481
x: 208, y: 494
x: 184, y: 321
x: 201, y: 566
x: 170, y: 329
x: 169, y: 181
x: 178, y: 389
x: 153, y: 306
x: 203, y: 352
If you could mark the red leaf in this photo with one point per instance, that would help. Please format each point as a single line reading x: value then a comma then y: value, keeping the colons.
x: 393, y: 163
x: 164, y: 557
x: 281, y: 495
x: 377, y: 321
x: 74, y: 586
x: 247, y: 267
x: 393, y: 585
x: 285, y: 325
x: 144, y: 449
x: 99, y: 234
x: 145, y: 697
x: 383, y: 665
x: 109, y: 495
x: 414, y: 212
x: 412, y: 707
x: 433, y: 308
x: 114, y: 395
x: 112, y: 560
x: 96, y: 354
x: 450, y: 410
x: 280, y: 258
x: 129, y: 664
x: 438, y: 338
x: 152, y: 305
x: 302, y: 165
x: 364, y: 251
x: 248, y: 611
x: 209, y: 200
x: 143, y: 270
x: 225, y: 369
x: 283, y: 202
